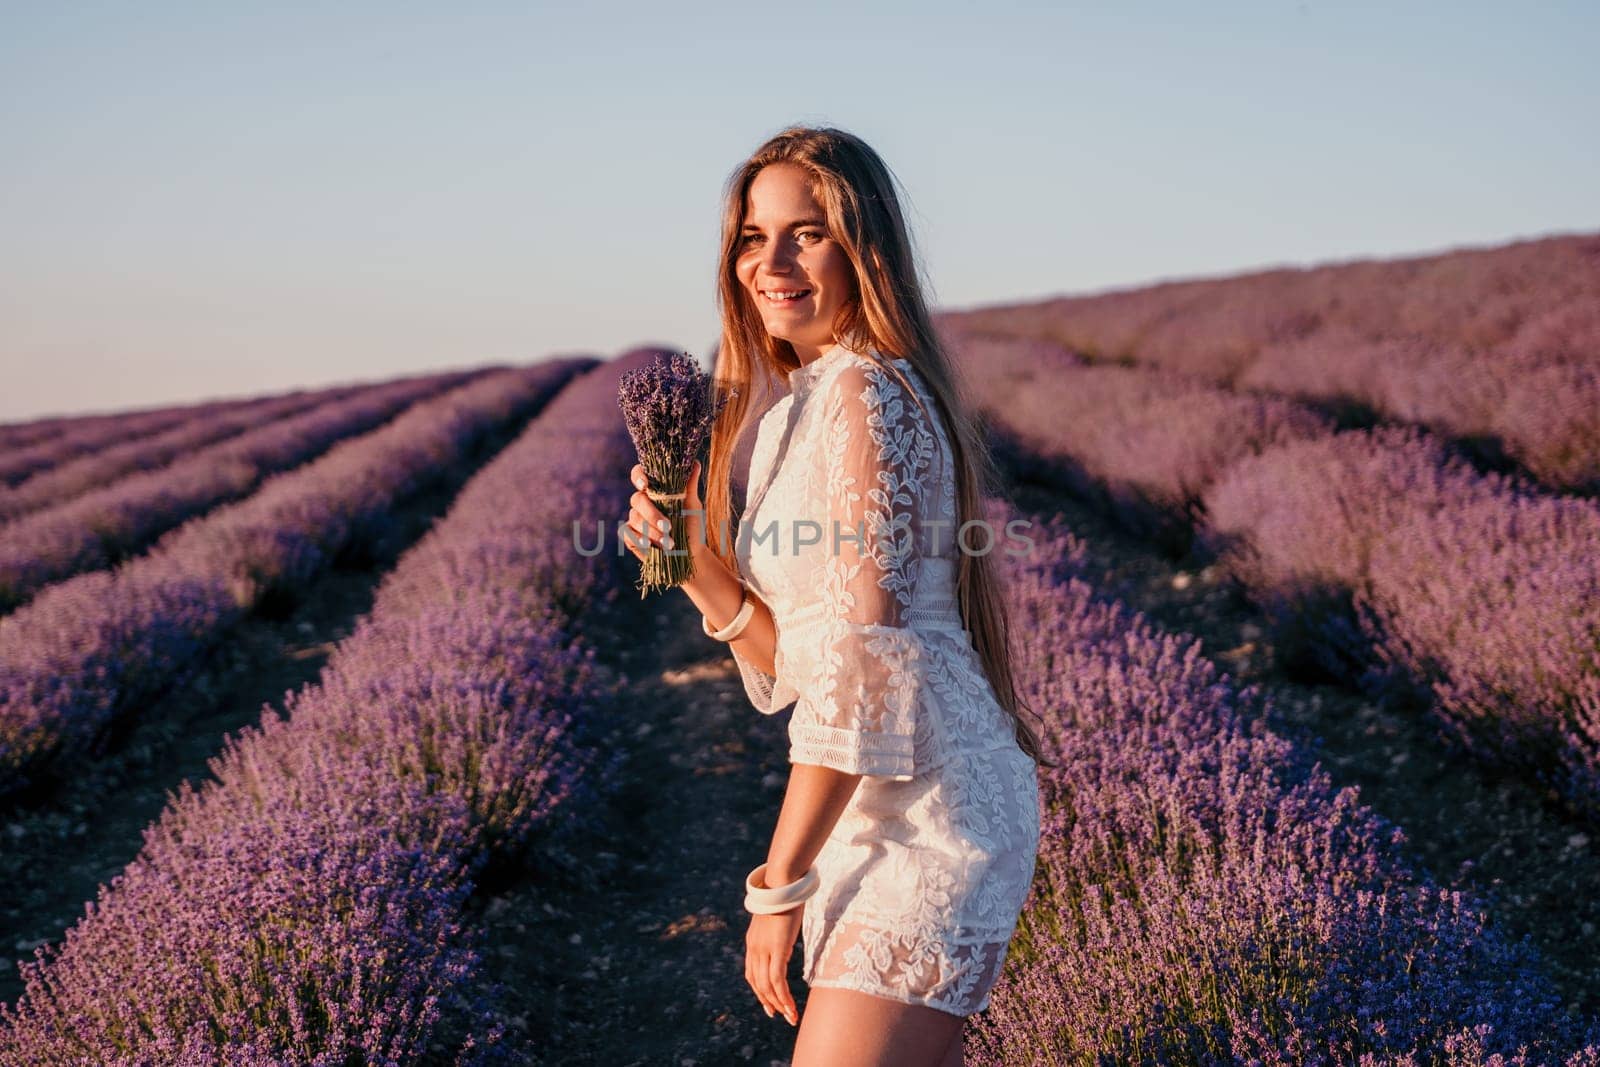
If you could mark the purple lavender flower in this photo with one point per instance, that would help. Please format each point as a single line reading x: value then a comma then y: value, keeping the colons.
x: 669, y: 408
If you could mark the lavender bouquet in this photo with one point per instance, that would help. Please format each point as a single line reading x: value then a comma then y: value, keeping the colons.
x: 669, y: 408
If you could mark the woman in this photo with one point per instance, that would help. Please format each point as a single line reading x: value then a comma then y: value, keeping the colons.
x: 906, y: 842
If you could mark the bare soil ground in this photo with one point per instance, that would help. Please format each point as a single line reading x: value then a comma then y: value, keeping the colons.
x: 629, y: 950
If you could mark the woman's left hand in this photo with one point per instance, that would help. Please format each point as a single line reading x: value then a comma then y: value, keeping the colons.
x: 768, y: 946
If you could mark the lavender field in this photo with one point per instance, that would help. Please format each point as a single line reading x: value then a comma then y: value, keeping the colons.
x: 320, y: 743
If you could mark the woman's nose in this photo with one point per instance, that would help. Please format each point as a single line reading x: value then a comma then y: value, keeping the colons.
x: 776, y: 257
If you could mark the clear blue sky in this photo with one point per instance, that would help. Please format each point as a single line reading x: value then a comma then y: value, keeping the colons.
x: 217, y: 199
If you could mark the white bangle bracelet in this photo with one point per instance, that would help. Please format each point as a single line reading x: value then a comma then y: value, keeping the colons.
x: 770, y: 900
x: 747, y: 608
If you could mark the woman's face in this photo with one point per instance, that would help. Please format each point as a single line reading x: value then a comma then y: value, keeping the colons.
x: 785, y: 246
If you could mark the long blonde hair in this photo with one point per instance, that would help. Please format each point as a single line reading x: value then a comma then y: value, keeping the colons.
x: 886, y: 312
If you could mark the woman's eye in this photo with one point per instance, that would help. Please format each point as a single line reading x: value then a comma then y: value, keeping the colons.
x: 815, y: 235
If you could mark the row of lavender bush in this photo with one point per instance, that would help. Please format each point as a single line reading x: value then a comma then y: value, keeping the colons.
x: 1144, y: 443
x: 1205, y: 896
x: 90, y: 650
x: 65, y: 437
x: 91, y: 433
x: 1396, y: 566
x: 102, y: 527
x: 305, y: 905
x: 1375, y: 555
x: 15, y: 435
x: 1497, y: 347
x: 78, y: 476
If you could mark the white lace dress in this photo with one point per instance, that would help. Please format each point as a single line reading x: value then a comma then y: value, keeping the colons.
x: 925, y: 873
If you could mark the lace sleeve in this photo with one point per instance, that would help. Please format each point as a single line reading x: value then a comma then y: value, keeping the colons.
x: 770, y: 693
x: 859, y: 712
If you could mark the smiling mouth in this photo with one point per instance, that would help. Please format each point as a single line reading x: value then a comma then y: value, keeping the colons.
x: 771, y: 297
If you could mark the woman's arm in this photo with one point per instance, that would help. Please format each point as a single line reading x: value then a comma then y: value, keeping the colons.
x: 816, y: 795
x: 716, y: 592
x: 811, y: 806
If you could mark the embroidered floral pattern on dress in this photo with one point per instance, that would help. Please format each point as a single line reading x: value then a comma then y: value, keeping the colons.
x: 848, y: 537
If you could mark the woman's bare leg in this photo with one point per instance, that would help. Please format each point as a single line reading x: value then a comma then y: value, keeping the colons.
x: 953, y: 1057
x: 847, y: 1028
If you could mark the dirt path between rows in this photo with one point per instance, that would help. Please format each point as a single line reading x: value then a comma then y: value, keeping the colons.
x: 630, y: 951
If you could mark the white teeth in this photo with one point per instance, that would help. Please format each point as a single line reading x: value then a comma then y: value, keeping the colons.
x: 786, y: 294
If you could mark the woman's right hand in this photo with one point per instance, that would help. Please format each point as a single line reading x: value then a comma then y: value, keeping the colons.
x: 646, y: 522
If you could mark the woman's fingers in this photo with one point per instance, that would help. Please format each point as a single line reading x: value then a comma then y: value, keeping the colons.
x: 640, y: 540
x: 769, y: 998
x: 752, y: 970
x: 646, y: 525
x: 756, y: 973
x: 635, y: 536
x: 630, y: 538
x: 648, y: 512
x: 779, y: 974
x: 766, y: 969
